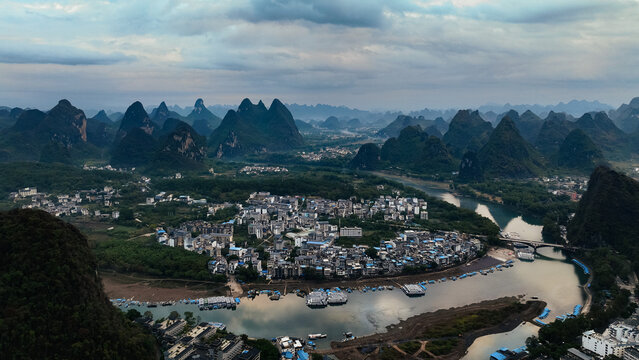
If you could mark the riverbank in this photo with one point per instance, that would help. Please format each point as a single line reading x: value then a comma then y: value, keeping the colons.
x: 140, y: 288
x: 437, y: 327
x: 289, y: 286
x: 132, y: 287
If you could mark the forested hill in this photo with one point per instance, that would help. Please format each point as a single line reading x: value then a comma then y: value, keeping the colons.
x: 52, y: 305
x: 607, y: 214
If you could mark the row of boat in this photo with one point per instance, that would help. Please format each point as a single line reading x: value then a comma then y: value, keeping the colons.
x: 419, y: 289
x: 575, y: 312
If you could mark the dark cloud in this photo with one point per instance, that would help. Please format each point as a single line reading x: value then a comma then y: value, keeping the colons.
x: 11, y: 53
x: 347, y: 13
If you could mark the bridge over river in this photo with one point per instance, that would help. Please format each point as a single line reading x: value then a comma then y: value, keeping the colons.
x: 537, y: 244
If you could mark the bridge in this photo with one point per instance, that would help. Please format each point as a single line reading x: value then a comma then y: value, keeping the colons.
x: 538, y: 244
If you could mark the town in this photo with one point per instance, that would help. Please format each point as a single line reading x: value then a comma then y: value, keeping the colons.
x: 301, y: 244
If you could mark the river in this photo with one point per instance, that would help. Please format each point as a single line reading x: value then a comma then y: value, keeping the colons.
x: 550, y: 277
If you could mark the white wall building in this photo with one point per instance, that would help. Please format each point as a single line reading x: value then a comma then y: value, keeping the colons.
x: 602, y: 344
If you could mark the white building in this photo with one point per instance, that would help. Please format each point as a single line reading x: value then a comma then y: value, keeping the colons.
x: 28, y: 191
x: 350, y: 232
x: 601, y: 344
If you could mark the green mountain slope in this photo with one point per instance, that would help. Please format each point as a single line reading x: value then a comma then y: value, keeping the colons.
x: 52, y: 305
x: 553, y: 132
x: 203, y: 120
x: 414, y: 149
x: 578, y: 152
x: 161, y: 113
x: 528, y: 124
x: 467, y: 132
x: 603, y: 132
x: 507, y: 154
x: 135, y: 117
x: 368, y: 157
x: 607, y: 214
x: 470, y: 169
x: 254, y: 129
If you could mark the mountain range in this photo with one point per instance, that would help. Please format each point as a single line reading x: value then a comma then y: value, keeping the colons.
x: 414, y: 149
x: 141, y: 142
x: 254, y: 129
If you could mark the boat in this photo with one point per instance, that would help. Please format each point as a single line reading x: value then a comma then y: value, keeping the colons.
x: 544, y: 314
x: 316, y: 336
x: 525, y: 255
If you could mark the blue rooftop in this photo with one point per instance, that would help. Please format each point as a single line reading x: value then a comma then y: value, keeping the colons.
x: 498, y: 356
x: 302, y: 355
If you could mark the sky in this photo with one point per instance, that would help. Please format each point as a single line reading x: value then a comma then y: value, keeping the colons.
x: 373, y: 54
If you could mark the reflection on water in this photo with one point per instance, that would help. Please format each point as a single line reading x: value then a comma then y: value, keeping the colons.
x: 365, y: 313
x: 450, y: 198
x: 551, y: 278
x: 486, y: 345
x: 484, y: 211
x: 526, y: 230
x: 507, y: 219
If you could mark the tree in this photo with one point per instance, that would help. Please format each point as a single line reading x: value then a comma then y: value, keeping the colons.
x: 371, y: 252
x: 174, y: 315
x: 126, y: 214
x: 133, y: 314
x: 190, y: 319
x: 148, y: 315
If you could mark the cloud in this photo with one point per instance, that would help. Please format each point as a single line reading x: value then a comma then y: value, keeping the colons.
x: 538, y: 11
x: 13, y: 53
x: 347, y: 13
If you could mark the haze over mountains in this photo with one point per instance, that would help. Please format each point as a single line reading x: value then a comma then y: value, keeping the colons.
x: 521, y: 145
x: 508, y: 144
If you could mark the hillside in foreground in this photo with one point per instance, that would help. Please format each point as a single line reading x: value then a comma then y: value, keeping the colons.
x: 52, y: 304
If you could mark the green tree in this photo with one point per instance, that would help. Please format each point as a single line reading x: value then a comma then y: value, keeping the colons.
x: 133, y: 314
x: 174, y: 315
x: 371, y: 252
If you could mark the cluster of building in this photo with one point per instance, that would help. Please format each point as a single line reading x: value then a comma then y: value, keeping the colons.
x: 302, y: 245
x: 326, y: 153
x: 202, y: 341
x: 255, y: 170
x: 107, y: 167
x: 73, y: 204
x: 409, y: 249
x: 619, y: 339
x: 268, y: 214
x: 572, y: 187
x: 164, y: 197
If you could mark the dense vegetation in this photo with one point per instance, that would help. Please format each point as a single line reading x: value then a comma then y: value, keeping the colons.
x: 527, y: 196
x: 54, y: 177
x: 606, y: 218
x: 255, y: 129
x: 609, y: 303
x: 607, y: 214
x: 413, y: 149
x: 149, y: 257
x: 477, y: 320
x: 51, y: 300
x: 579, y: 153
x: 507, y: 154
x: 467, y: 132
